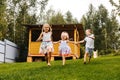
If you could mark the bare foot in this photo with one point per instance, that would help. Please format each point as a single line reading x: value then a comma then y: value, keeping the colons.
x: 49, y: 64
x: 76, y: 56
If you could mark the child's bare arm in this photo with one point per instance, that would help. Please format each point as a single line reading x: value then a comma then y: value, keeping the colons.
x: 71, y: 42
x: 80, y: 42
x: 56, y: 42
x: 40, y: 37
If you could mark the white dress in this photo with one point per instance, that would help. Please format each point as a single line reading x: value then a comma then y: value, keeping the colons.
x: 46, y: 43
x: 64, y: 48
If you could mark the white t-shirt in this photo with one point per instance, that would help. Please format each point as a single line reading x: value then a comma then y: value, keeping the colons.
x: 89, y: 41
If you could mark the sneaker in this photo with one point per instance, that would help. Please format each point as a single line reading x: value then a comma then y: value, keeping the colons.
x: 84, y: 62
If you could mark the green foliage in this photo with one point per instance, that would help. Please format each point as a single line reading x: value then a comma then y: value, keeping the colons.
x: 53, y: 17
x: 104, y: 27
x: 3, y: 22
x: 82, y: 51
x: 102, y: 68
x: 106, y: 52
x: 117, y: 5
x: 69, y: 18
x: 20, y: 12
x: 57, y: 19
x: 117, y: 52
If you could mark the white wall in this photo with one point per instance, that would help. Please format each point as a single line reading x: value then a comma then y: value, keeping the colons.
x: 8, y: 51
x: 2, y: 51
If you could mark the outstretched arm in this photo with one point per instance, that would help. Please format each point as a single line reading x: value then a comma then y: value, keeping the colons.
x: 56, y: 42
x: 71, y: 42
x: 40, y: 37
x: 80, y: 42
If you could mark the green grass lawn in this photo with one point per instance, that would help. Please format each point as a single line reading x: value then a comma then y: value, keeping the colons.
x: 102, y: 68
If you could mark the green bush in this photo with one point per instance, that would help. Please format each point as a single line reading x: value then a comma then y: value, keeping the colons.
x: 106, y: 52
x: 117, y: 52
x: 82, y: 51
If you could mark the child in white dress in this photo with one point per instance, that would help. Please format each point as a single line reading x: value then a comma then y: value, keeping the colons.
x: 46, y: 45
x: 64, y: 48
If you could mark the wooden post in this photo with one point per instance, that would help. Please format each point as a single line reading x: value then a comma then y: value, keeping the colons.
x: 52, y: 58
x: 74, y: 58
x: 29, y: 42
x: 75, y: 36
x: 75, y: 39
x: 29, y: 59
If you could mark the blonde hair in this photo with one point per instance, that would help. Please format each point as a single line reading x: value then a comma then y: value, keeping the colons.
x: 46, y: 24
x: 89, y: 30
x: 64, y: 33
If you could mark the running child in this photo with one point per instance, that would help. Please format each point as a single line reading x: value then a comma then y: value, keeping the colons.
x: 46, y: 46
x: 64, y: 48
x: 89, y: 46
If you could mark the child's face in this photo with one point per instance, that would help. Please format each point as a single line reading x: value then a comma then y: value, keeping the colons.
x: 64, y: 37
x: 46, y: 28
x: 87, y: 32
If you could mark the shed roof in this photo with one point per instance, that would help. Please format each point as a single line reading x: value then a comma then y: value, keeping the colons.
x: 57, y: 26
x: 79, y: 27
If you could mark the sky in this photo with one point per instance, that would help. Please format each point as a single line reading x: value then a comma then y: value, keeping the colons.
x: 78, y: 7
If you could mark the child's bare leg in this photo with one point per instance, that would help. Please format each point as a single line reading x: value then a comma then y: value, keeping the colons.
x: 49, y: 55
x: 76, y: 55
x: 63, y: 60
x: 49, y: 58
x: 46, y: 57
x: 89, y: 58
x: 85, y: 56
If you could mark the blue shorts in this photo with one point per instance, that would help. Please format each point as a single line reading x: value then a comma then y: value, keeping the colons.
x: 89, y: 51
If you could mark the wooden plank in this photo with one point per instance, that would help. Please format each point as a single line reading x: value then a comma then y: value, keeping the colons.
x: 29, y: 42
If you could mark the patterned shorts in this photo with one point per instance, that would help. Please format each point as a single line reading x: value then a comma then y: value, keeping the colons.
x: 89, y: 51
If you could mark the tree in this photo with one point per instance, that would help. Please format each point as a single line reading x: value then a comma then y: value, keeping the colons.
x: 113, y: 32
x: 105, y: 28
x: 75, y: 21
x: 103, y: 18
x: 41, y: 17
x: 89, y: 17
x: 57, y: 19
x: 117, y: 5
x: 69, y: 18
x: 96, y: 20
x: 49, y: 14
x: 22, y: 12
x: 3, y: 22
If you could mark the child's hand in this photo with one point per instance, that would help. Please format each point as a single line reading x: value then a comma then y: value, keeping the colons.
x: 54, y: 42
x: 37, y: 40
x: 76, y: 43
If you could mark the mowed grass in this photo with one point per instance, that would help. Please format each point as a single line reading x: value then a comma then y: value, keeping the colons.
x: 102, y: 68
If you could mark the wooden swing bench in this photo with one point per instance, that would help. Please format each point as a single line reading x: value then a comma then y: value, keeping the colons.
x: 30, y: 58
